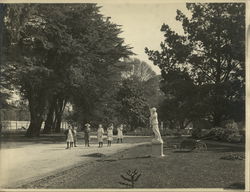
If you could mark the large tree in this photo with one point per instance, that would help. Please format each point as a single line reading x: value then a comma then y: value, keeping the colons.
x: 57, y: 50
x: 212, y: 51
x: 134, y: 109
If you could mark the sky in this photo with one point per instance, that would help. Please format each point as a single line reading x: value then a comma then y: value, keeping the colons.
x: 141, y: 24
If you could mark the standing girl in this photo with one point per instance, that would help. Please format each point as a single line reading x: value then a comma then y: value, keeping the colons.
x: 70, y: 139
x: 86, y: 134
x: 110, y: 134
x: 100, y: 133
x: 120, y: 133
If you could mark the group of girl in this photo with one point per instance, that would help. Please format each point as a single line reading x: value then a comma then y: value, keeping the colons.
x: 100, y: 133
x: 71, y: 135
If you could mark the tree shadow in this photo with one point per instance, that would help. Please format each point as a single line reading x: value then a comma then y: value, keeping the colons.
x: 98, y: 155
x: 182, y: 151
x: 238, y: 185
x: 216, y: 147
x: 220, y: 148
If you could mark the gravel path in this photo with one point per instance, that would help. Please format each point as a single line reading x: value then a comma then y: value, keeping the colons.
x: 32, y: 162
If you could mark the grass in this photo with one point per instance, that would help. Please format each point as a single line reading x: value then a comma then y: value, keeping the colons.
x: 175, y: 170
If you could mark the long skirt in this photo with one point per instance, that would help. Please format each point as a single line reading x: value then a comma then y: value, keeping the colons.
x: 100, y: 138
x: 110, y: 138
x: 119, y: 135
x: 70, y: 137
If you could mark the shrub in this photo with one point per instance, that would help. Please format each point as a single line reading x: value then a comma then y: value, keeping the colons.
x: 230, y: 133
x: 200, y: 133
x: 167, y: 132
x: 217, y: 133
x: 233, y: 138
x: 234, y: 156
x: 196, y: 133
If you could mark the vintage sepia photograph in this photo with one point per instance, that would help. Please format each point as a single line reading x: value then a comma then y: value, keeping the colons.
x: 122, y: 95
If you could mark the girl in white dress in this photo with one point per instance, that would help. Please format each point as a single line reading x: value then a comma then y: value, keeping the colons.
x: 120, y: 133
x: 110, y: 134
x: 70, y: 138
x: 100, y: 133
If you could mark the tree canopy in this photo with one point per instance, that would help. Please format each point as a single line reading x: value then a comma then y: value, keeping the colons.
x: 212, y: 52
x: 58, y: 51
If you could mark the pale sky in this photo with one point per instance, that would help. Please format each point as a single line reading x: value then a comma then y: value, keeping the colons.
x: 141, y: 24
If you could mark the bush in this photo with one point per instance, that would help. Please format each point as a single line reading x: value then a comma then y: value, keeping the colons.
x: 234, y: 156
x: 200, y: 133
x: 230, y: 133
x: 233, y: 138
x: 217, y: 133
x: 168, y: 132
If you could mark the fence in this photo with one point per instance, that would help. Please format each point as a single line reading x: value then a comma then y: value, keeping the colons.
x: 22, y: 125
x: 14, y: 115
x: 15, y: 119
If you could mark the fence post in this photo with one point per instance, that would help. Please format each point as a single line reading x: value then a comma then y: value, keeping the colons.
x: 16, y: 120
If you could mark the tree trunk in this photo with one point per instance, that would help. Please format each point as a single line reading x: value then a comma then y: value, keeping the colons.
x: 58, y: 123
x: 218, y: 105
x: 61, y: 103
x: 50, y: 118
x: 54, y: 117
x: 36, y: 119
x: 34, y: 127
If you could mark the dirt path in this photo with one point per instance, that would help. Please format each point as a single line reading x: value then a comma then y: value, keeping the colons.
x: 31, y: 162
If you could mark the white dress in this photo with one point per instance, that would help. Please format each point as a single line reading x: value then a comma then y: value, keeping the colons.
x: 119, y: 134
x: 110, y: 134
x: 100, y: 133
x: 70, y: 137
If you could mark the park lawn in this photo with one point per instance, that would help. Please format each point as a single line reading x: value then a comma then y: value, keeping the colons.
x: 175, y: 170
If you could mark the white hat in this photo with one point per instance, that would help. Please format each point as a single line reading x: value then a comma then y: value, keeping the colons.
x: 153, y: 109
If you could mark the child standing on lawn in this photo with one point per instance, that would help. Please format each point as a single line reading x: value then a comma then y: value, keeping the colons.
x: 120, y: 133
x: 86, y: 134
x: 100, y: 133
x: 69, y: 138
x: 110, y: 134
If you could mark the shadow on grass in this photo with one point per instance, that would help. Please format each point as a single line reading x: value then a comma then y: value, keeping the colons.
x: 126, y: 158
x: 238, y: 185
x: 94, y: 155
x: 182, y: 151
x: 218, y: 148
